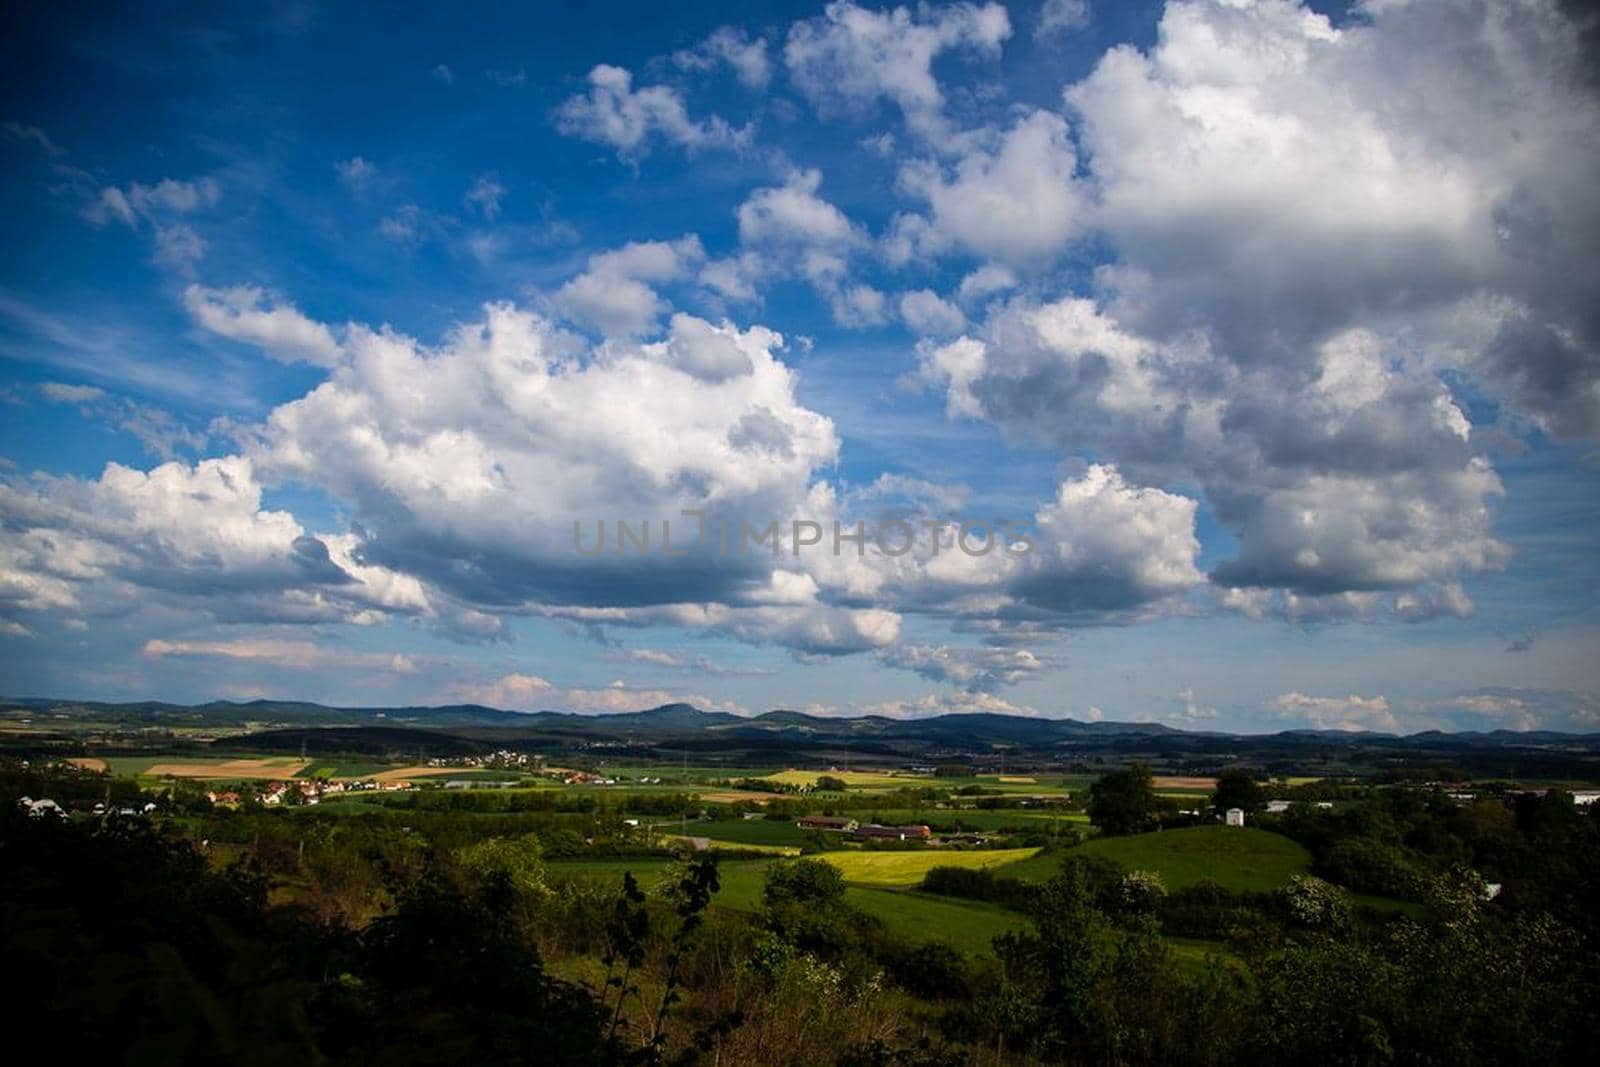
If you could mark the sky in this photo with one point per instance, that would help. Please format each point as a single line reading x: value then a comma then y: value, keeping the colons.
x: 1228, y: 364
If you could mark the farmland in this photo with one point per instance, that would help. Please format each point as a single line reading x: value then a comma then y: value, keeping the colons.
x: 908, y: 868
x: 1236, y: 857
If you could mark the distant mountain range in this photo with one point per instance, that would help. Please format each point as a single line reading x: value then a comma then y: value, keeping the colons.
x: 687, y: 727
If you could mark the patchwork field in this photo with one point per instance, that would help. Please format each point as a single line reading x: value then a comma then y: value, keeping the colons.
x: 854, y: 779
x: 229, y: 770
x: 908, y: 868
x: 1184, y: 783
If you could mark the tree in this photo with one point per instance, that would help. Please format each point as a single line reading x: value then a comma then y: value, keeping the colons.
x: 827, y: 783
x: 1238, y: 788
x: 809, y: 882
x: 1124, y: 802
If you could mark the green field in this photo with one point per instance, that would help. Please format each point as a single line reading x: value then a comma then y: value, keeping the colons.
x: 768, y: 832
x: 1240, y: 858
x: 344, y: 769
x: 967, y: 926
x: 908, y: 868
x: 1030, y: 819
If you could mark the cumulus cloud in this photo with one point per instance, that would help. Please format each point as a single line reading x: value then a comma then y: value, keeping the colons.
x: 926, y: 313
x: 790, y: 230
x: 851, y: 57
x: 1356, y: 475
x: 632, y: 121
x: 616, y: 294
x: 1514, y: 708
x: 512, y: 692
x: 1276, y: 181
x: 1057, y: 17
x: 256, y: 317
x: 1350, y: 713
x: 747, y: 58
x: 972, y: 670
x: 196, y: 537
x: 953, y: 703
x: 1014, y: 201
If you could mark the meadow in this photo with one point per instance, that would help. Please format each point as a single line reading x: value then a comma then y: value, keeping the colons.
x: 1239, y: 858
x: 894, y: 868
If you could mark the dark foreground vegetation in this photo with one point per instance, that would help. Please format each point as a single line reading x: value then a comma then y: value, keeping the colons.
x: 412, y: 936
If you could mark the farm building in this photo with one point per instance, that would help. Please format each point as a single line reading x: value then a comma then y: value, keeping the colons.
x: 832, y: 823
x: 894, y: 833
x: 1235, y: 817
x: 1277, y: 807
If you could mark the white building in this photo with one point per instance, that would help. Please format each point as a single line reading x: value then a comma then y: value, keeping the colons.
x: 1234, y: 817
x: 1277, y: 807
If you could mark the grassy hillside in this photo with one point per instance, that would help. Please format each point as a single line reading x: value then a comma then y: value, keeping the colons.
x: 1237, y: 857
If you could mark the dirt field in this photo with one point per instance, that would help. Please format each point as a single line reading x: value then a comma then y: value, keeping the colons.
x: 229, y: 770
x: 1176, y: 781
x: 88, y: 763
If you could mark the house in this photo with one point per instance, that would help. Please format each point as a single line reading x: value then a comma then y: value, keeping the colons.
x: 38, y: 809
x: 1277, y: 807
x: 1234, y: 817
x: 894, y: 833
x: 831, y: 823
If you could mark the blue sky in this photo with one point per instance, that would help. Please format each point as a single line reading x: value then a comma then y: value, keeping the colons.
x: 317, y: 336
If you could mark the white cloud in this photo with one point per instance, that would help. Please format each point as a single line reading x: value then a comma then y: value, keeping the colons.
x: 789, y: 230
x: 956, y: 703
x: 195, y: 537
x: 485, y: 195
x: 178, y: 246
x: 929, y: 315
x: 971, y: 670
x: 1057, y: 17
x: 616, y: 294
x: 1015, y: 201
x: 1276, y: 181
x: 150, y: 203
x: 356, y: 173
x: 630, y: 120
x: 300, y: 655
x: 852, y: 56
x: 746, y: 57
x: 512, y: 692
x: 1350, y: 713
x: 253, y: 316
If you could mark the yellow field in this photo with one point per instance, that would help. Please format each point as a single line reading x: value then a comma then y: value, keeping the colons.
x: 1017, y: 779
x: 736, y: 846
x: 855, y: 779
x: 230, y: 770
x: 907, y: 868
x: 402, y: 774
